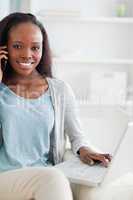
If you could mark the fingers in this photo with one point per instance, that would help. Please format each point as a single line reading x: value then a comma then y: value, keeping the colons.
x: 87, y: 160
x: 103, y: 158
x: 92, y: 158
x: 3, y: 47
x: 108, y: 156
x: 3, y: 52
x: 3, y: 56
x: 104, y: 162
x: 90, y: 161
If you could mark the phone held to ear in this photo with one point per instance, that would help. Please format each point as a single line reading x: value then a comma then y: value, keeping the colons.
x: 3, y: 64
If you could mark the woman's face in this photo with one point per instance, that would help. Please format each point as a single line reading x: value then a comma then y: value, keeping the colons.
x: 24, y: 48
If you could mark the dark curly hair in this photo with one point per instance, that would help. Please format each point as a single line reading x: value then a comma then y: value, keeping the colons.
x: 13, y: 19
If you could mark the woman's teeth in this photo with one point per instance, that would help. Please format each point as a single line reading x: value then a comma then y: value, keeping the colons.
x: 26, y: 65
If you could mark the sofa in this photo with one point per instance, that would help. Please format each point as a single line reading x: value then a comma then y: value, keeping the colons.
x: 100, y: 125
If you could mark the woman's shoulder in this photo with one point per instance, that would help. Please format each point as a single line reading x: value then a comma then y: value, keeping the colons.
x: 59, y: 84
x: 2, y: 87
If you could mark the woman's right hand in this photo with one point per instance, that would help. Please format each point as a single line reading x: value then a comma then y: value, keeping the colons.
x: 91, y: 157
x: 3, y: 55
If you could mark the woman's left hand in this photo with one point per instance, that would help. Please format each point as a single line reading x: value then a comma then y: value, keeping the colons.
x: 90, y: 157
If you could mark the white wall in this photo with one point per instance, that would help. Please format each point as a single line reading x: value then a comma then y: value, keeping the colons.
x: 87, y: 40
x: 4, y: 8
x: 87, y: 7
x: 57, y: 4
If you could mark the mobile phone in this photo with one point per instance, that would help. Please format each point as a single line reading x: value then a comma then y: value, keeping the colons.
x: 3, y: 64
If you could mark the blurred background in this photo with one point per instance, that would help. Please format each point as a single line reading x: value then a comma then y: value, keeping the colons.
x: 92, y: 49
x: 91, y: 44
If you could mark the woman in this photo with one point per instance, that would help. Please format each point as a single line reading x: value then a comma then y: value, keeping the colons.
x: 36, y: 112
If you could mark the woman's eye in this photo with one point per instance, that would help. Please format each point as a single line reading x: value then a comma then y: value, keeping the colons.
x: 35, y: 48
x: 17, y: 46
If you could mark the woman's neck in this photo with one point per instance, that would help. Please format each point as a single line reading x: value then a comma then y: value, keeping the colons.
x: 26, y: 80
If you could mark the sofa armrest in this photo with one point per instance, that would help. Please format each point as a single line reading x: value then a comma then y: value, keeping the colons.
x: 68, y: 155
x: 121, y: 188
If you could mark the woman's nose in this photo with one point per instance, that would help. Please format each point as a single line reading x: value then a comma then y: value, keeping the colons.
x: 26, y: 53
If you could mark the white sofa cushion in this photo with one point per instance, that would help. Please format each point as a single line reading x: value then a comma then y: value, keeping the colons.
x: 120, y: 189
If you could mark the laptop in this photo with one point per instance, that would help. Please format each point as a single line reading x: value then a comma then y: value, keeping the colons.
x: 112, y: 124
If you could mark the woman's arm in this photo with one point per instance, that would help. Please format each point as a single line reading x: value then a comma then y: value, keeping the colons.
x: 77, y: 138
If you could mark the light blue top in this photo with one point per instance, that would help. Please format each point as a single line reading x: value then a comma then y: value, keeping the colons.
x: 26, y: 125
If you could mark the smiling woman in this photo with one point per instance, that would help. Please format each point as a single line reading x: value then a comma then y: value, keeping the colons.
x: 13, y: 32
x: 26, y: 59
x: 36, y: 113
x: 25, y: 51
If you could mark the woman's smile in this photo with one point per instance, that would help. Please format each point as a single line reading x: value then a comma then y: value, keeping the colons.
x: 25, y: 65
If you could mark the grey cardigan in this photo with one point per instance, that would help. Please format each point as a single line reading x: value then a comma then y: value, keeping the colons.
x: 66, y: 120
